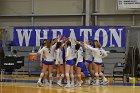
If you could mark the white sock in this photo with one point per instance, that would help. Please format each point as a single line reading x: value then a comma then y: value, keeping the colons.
x: 72, y: 81
x: 97, y: 81
x: 68, y: 82
x: 46, y: 80
x: 60, y: 80
x: 50, y: 81
x: 104, y: 79
x: 41, y: 76
x: 79, y: 82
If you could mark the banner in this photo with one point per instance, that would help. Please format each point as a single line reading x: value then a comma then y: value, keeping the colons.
x: 108, y: 36
x: 128, y: 4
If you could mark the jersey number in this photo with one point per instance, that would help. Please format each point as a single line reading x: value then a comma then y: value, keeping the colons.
x: 101, y: 53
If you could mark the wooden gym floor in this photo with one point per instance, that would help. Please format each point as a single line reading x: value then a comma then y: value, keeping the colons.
x: 33, y: 88
x: 26, y: 86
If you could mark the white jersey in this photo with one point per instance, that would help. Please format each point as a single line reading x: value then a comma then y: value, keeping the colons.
x: 69, y: 53
x: 88, y: 54
x: 74, y: 51
x: 49, y: 53
x: 80, y: 55
x: 99, y: 53
x: 59, y: 55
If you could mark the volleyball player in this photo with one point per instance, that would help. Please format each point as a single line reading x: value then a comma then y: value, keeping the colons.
x: 99, y: 53
x: 69, y: 65
x: 88, y: 62
x: 80, y: 66
x: 42, y: 78
x: 48, y: 52
x: 59, y: 62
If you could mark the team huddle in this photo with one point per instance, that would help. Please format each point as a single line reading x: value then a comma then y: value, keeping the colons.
x: 73, y: 60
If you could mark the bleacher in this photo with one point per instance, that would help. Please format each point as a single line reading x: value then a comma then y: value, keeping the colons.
x: 116, y: 55
x: 30, y: 67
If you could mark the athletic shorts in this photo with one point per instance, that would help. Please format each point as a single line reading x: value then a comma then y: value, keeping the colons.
x: 83, y: 67
x: 80, y: 64
x: 97, y: 63
x: 48, y: 62
x: 88, y: 61
x: 92, y: 58
x: 70, y: 62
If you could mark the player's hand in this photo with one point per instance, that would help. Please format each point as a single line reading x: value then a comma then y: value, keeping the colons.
x: 59, y: 36
x: 107, y: 51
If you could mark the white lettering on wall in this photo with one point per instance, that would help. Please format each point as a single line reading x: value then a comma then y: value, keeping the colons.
x: 109, y: 36
x: 25, y: 35
x: 72, y: 36
x: 55, y: 31
x: 38, y: 37
x: 117, y: 36
x: 85, y: 31
x: 105, y: 36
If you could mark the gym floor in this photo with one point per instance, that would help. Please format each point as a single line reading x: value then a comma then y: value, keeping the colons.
x: 33, y: 88
x: 26, y: 84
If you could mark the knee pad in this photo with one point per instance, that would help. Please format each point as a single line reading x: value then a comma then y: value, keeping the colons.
x: 67, y: 74
x: 62, y: 75
x: 96, y: 74
x: 50, y: 74
x: 71, y: 75
x: 100, y: 73
x: 42, y: 75
x: 78, y: 75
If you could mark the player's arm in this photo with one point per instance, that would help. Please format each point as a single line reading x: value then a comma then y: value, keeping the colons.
x: 104, y: 54
x: 90, y: 47
x: 40, y: 51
